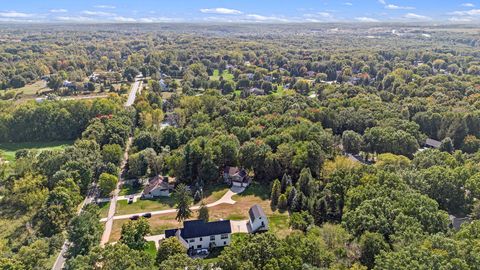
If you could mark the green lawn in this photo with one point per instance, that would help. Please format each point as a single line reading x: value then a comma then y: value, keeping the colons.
x: 104, y: 206
x: 8, y: 150
x: 255, y: 189
x: 278, y: 224
x: 225, y: 74
x: 32, y: 89
x: 123, y: 208
x: 151, y: 249
x: 128, y: 189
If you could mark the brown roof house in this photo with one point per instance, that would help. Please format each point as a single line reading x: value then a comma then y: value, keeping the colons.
x: 158, y: 186
x: 236, y: 177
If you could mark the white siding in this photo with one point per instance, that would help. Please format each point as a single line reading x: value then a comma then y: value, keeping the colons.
x: 257, y: 224
x: 204, y: 242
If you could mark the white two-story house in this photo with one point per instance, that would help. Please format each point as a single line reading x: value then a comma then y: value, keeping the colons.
x: 258, y: 221
x: 197, y: 234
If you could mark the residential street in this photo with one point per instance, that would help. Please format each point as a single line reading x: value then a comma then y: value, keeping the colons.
x: 92, y: 193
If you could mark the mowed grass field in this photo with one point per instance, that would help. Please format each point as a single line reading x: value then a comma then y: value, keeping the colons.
x: 8, y: 150
x: 255, y: 194
x: 225, y: 74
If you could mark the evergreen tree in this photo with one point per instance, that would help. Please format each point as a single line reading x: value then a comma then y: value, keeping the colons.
x: 275, y: 193
x: 183, y: 201
x: 203, y: 213
x: 282, y: 202
x: 286, y: 181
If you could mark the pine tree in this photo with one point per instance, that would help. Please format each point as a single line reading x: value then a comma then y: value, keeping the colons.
x: 304, y: 180
x: 203, y: 213
x: 286, y: 181
x: 291, y: 197
x: 282, y: 202
x: 275, y: 193
x: 183, y: 200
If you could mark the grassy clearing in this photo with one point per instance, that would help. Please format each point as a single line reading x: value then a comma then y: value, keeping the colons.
x: 8, y: 150
x: 151, y: 249
x: 33, y: 89
x: 254, y: 194
x: 128, y: 189
x: 225, y: 74
x: 214, y: 193
x: 104, y: 206
x: 123, y: 208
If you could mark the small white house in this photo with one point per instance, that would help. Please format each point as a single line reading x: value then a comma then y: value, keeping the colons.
x: 158, y: 186
x: 258, y: 221
x: 198, y: 234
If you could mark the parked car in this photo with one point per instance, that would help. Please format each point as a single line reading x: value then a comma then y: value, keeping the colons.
x: 135, y: 217
x: 147, y: 215
x: 130, y: 200
x: 202, y: 252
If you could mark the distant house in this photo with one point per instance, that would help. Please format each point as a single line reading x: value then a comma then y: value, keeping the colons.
x: 257, y: 92
x: 198, y: 234
x: 311, y: 74
x: 456, y: 223
x: 163, y: 86
x: 236, y: 177
x: 250, y: 76
x: 431, y: 143
x: 258, y: 221
x: 158, y: 186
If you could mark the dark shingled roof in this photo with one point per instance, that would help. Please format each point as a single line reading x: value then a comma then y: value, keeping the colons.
x: 198, y: 228
x: 433, y: 143
x: 255, y: 212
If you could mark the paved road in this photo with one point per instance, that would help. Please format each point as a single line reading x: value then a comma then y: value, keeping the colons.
x: 113, y: 201
x: 60, y: 261
x: 133, y: 91
x: 227, y: 199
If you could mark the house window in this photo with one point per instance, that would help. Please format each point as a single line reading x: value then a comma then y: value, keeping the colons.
x: 224, y: 236
x: 201, y: 238
x: 224, y: 243
x: 191, y: 240
x: 212, y: 238
x: 199, y: 246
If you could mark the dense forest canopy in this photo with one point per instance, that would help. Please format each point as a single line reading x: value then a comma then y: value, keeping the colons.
x: 335, y: 124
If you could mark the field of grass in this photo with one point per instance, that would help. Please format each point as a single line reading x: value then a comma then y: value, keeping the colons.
x: 254, y: 194
x: 8, y: 150
x: 151, y: 249
x: 104, y: 206
x: 123, y: 208
x: 225, y: 74
x: 214, y: 193
x: 128, y: 189
x: 33, y: 89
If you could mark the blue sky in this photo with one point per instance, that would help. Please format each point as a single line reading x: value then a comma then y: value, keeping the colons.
x: 240, y: 11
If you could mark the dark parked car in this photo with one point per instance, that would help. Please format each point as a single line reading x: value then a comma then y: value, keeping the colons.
x: 147, y: 215
x: 135, y: 217
x: 130, y: 200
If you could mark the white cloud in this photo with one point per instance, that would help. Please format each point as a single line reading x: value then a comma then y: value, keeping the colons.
x: 392, y: 6
x: 468, y: 5
x: 123, y: 19
x: 347, y: 4
x: 60, y: 10
x: 158, y: 19
x: 105, y: 6
x: 366, y: 19
x: 471, y: 12
x: 15, y: 14
x: 261, y: 18
x: 460, y: 19
x: 73, y: 19
x: 97, y: 13
x: 382, y: 2
x: 224, y: 11
x: 413, y: 16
